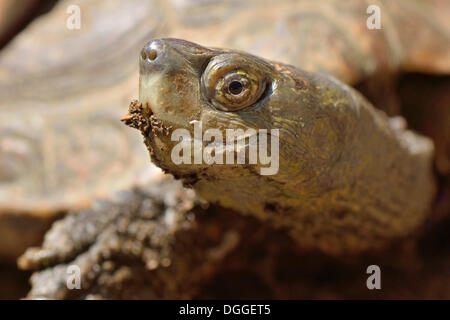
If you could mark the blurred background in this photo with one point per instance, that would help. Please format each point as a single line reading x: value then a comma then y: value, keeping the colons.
x: 68, y: 70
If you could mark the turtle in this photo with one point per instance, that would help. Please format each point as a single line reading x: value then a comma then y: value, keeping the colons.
x: 38, y: 185
x: 341, y: 176
x: 173, y: 68
x: 368, y: 62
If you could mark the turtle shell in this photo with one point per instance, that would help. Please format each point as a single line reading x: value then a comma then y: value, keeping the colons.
x: 61, y: 139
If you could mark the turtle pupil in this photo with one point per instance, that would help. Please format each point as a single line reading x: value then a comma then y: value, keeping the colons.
x: 235, y: 87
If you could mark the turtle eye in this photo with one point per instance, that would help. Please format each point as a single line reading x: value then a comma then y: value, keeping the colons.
x: 231, y: 85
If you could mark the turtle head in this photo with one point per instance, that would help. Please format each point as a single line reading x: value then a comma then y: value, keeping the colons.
x: 187, y: 88
x: 280, y: 143
x: 222, y: 115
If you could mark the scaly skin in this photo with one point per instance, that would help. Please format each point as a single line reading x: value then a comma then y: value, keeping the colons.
x: 137, y: 234
x: 348, y: 178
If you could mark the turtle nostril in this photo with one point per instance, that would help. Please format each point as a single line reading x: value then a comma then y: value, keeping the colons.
x: 152, y: 54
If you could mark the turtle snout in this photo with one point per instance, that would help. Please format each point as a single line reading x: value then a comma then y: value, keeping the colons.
x: 154, y: 57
